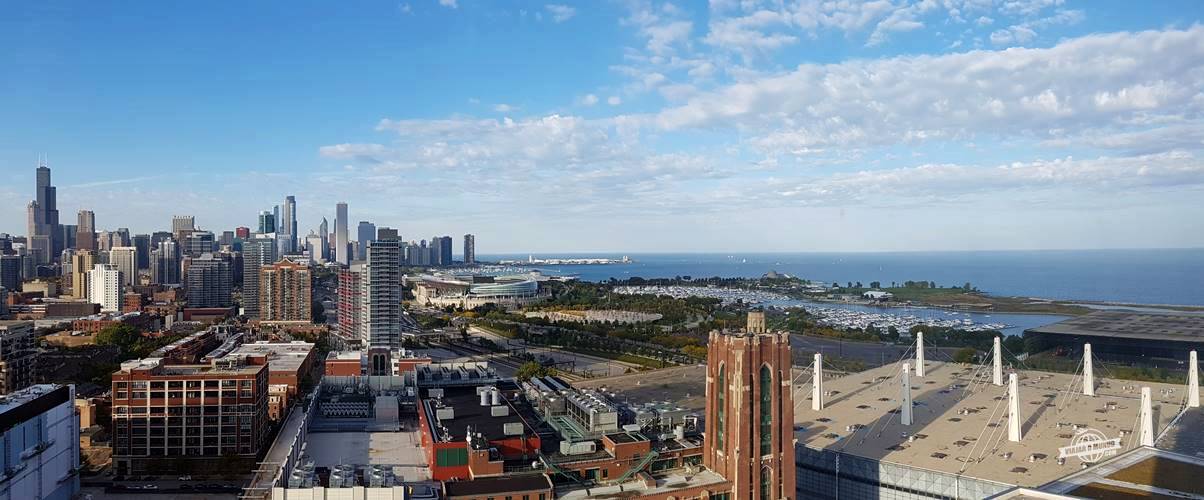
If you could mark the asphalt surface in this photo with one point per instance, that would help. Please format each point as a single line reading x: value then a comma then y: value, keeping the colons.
x: 870, y: 353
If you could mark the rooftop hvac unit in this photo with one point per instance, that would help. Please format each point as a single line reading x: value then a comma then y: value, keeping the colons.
x: 499, y: 411
x: 484, y: 399
x: 434, y: 393
x: 578, y: 448
x: 447, y: 413
x: 496, y: 397
x: 512, y: 428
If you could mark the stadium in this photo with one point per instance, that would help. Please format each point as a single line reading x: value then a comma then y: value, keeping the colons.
x: 441, y: 290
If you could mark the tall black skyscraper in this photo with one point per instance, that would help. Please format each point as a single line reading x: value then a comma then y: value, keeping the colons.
x: 45, y: 235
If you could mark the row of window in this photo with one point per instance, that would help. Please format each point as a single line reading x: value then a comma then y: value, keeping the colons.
x: 228, y: 393
x: 179, y: 384
x: 185, y: 410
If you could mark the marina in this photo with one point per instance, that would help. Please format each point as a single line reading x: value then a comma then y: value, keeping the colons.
x: 860, y: 316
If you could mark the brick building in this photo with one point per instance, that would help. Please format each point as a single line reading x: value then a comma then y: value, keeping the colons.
x: 285, y: 292
x: 167, y: 418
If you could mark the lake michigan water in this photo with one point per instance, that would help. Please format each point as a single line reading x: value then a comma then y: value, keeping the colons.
x: 1170, y: 276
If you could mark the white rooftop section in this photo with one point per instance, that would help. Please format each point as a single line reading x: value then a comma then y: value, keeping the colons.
x: 950, y: 431
x: 14, y: 399
x: 282, y: 356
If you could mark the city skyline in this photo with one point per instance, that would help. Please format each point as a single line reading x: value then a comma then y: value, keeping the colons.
x: 624, y: 127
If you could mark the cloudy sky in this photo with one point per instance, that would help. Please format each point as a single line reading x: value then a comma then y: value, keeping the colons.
x: 621, y: 125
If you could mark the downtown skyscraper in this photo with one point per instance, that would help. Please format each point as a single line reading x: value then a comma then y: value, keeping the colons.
x: 85, y: 227
x: 165, y: 263
x: 288, y: 226
x: 342, y: 247
x: 365, y: 232
x: 45, y: 235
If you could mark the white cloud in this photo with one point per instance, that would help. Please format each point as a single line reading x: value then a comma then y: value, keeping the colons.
x: 560, y: 13
x: 1076, y: 85
x: 1027, y: 7
x: 1025, y: 32
x: 505, y: 108
x: 451, y: 4
x: 614, y: 100
x: 588, y: 100
x: 929, y: 183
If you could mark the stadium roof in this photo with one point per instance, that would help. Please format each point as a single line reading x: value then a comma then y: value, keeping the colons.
x: 1179, y: 327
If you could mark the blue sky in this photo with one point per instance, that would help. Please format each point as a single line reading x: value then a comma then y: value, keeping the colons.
x: 621, y: 125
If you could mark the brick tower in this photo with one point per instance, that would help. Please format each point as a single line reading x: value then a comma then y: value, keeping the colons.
x: 750, y: 411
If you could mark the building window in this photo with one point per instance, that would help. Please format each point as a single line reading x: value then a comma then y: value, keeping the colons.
x: 766, y: 410
x: 722, y: 398
x: 765, y: 477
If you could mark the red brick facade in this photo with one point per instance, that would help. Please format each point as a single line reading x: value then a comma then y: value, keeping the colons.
x: 748, y: 378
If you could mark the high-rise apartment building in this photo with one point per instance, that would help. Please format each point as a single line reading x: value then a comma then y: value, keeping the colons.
x: 104, y: 287
x: 208, y: 281
x: 267, y: 222
x: 342, y: 246
x: 181, y: 225
x: 441, y: 254
x: 750, y: 411
x: 242, y: 232
x: 40, y: 432
x: 381, y: 314
x: 208, y: 413
x: 288, y: 225
x: 365, y: 232
x: 81, y: 262
x: 125, y: 259
x: 470, y: 249
x: 285, y: 292
x: 165, y: 263
x: 257, y: 252
x: 18, y: 356
x: 351, y: 300
x: 85, y: 231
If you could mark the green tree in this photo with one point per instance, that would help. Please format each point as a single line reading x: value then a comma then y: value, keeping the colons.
x: 532, y: 369
x: 964, y: 355
x: 120, y: 335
